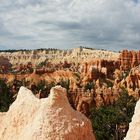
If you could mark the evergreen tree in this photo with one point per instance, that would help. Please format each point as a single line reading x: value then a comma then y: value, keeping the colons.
x: 5, y: 97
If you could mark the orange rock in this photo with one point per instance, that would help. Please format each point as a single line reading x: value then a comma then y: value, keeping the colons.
x: 129, y: 59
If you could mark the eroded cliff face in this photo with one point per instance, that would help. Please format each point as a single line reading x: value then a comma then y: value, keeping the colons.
x: 134, y: 127
x: 94, y: 69
x: 52, y: 118
x: 129, y: 59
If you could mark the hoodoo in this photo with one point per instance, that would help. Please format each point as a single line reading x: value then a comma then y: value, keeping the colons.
x: 52, y: 118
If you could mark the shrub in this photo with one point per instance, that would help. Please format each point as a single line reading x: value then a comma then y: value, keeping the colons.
x: 89, y: 86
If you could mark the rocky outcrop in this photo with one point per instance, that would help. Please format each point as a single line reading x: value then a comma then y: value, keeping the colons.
x: 129, y: 80
x: 94, y: 69
x: 134, y: 127
x: 52, y: 118
x: 129, y: 59
x: 133, y: 79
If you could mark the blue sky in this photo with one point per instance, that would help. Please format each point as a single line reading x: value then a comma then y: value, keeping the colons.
x: 64, y: 24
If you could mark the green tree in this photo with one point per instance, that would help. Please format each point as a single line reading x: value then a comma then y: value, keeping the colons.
x: 107, y: 121
x: 5, y: 97
x: 89, y: 86
x: 41, y: 85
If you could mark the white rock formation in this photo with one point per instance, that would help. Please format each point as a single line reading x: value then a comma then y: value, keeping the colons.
x: 76, y: 55
x: 134, y: 127
x: 52, y: 118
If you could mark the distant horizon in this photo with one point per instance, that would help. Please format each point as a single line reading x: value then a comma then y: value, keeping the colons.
x: 86, y: 47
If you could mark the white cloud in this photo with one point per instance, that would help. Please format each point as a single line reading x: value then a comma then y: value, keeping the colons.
x: 107, y: 24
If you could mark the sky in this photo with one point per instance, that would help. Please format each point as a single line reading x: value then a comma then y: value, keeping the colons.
x: 65, y: 24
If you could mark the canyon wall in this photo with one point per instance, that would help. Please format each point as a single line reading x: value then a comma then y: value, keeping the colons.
x: 55, y: 56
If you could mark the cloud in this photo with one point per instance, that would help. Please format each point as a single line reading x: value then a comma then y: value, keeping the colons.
x: 65, y: 24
